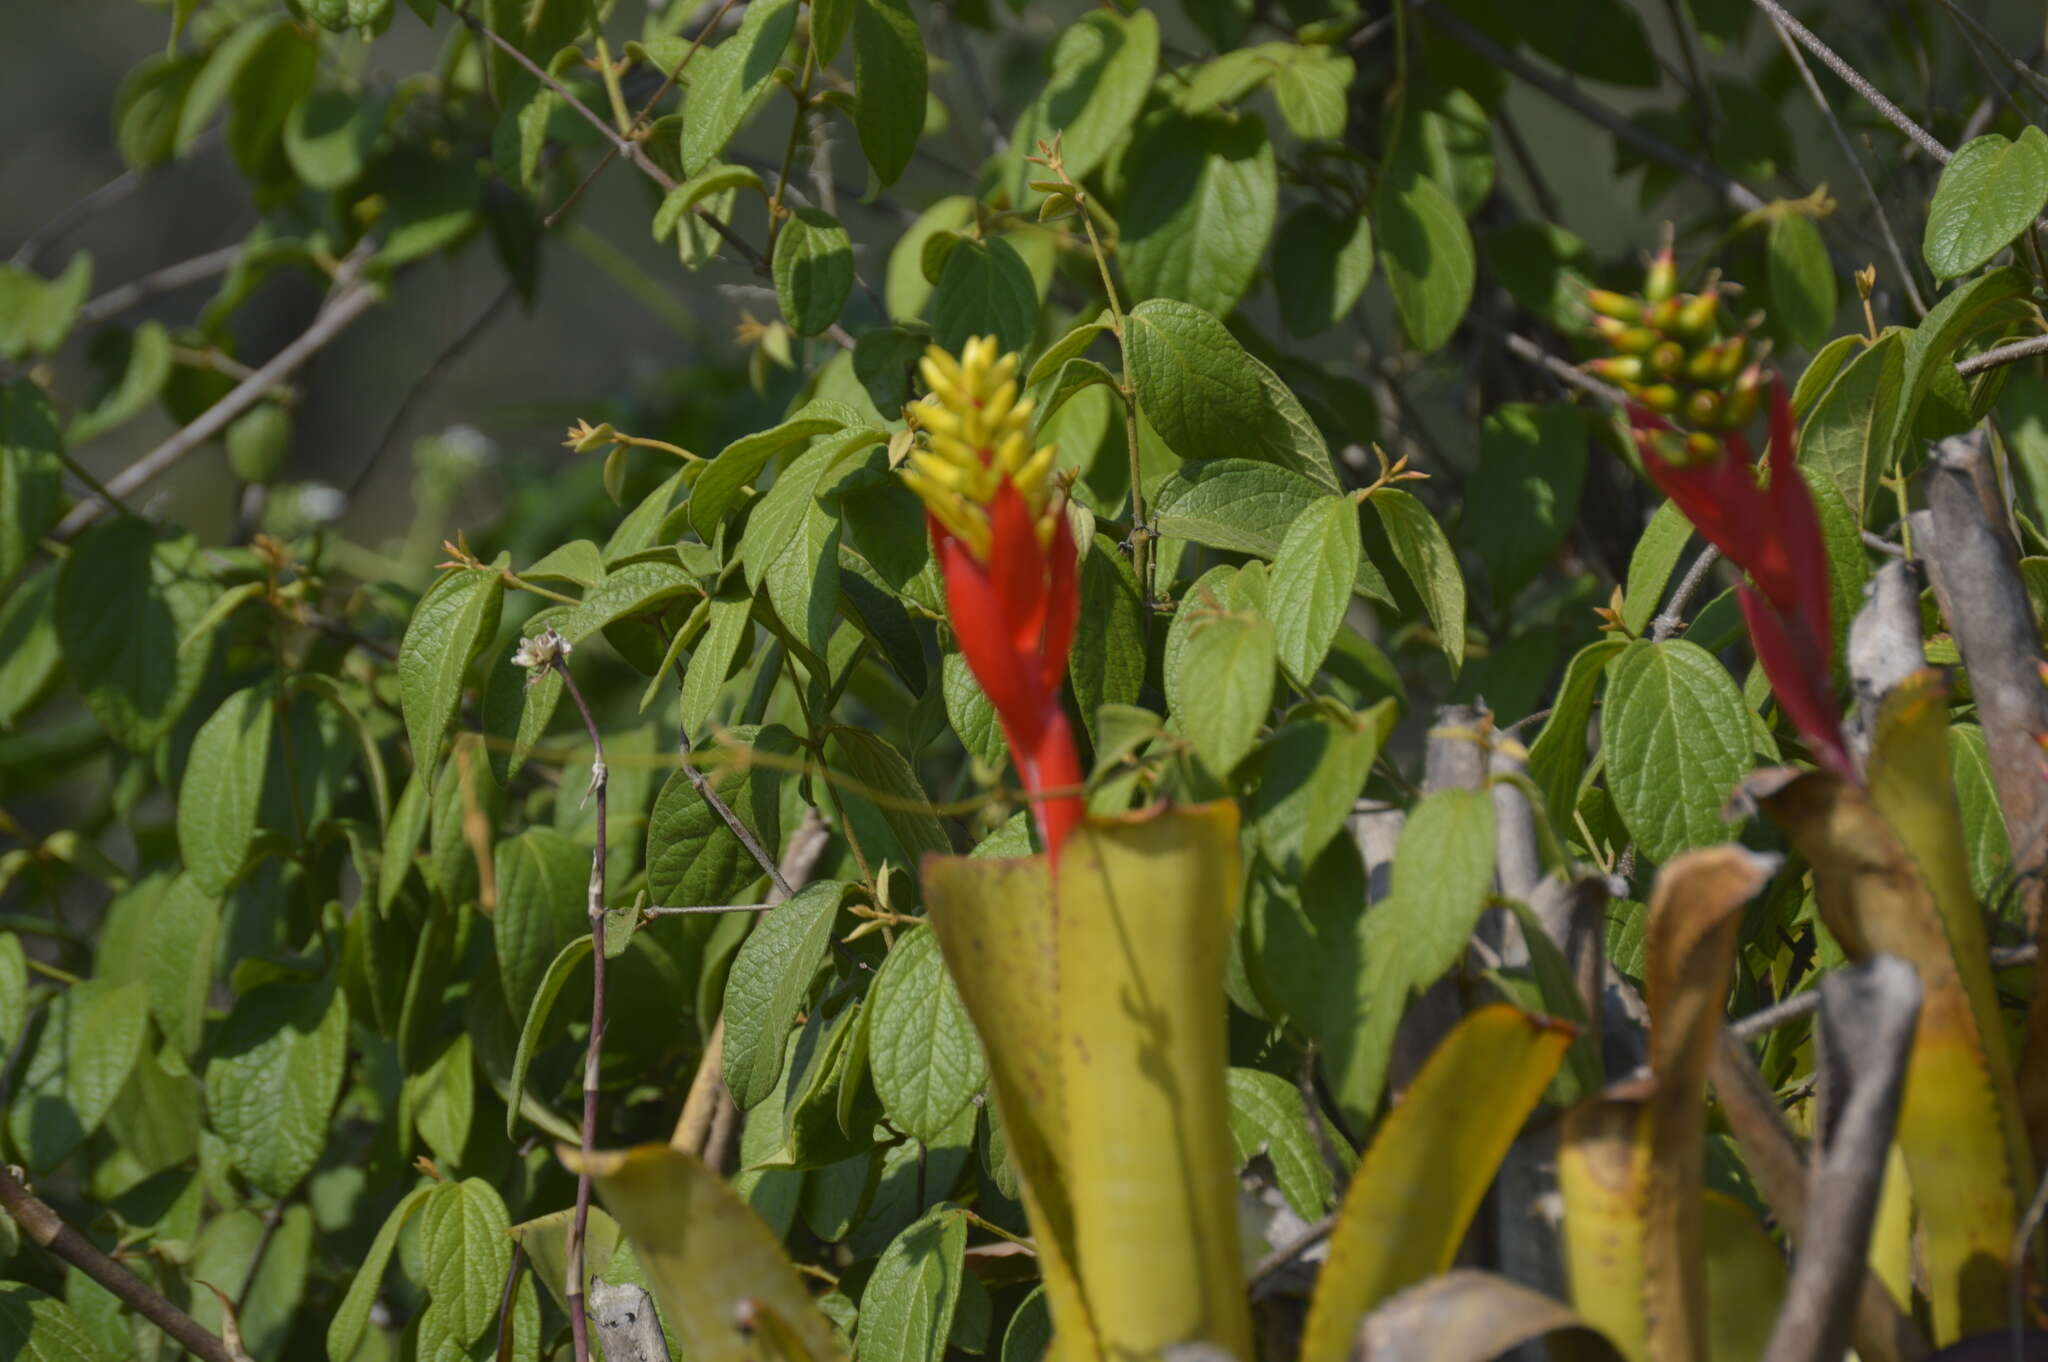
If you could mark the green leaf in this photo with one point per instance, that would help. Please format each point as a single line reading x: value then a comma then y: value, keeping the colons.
x: 559, y: 971
x: 1426, y: 252
x: 1525, y: 499
x: 352, y: 1316
x: 693, y: 858
x: 889, y: 85
x: 35, y: 1327
x: 444, y: 1101
x: 1983, y: 820
x: 174, y: 949
x: 519, y: 705
x: 1311, y: 772
x: 813, y: 270
x: 726, y: 81
x: 1431, y: 564
x: 92, y: 1035
x: 466, y: 1245
x: 1442, y: 877
x: 1223, y: 685
x: 1803, y: 279
x: 409, y: 819
x: 922, y: 1051
x: 1650, y: 566
x: 712, y: 182
x: 1321, y: 262
x: 1558, y: 756
x: 1546, y: 268
x: 770, y: 976
x: 1107, y: 664
x: 1209, y: 399
x: 1266, y: 1117
x: 1198, y: 209
x: 906, y: 1308
x: 1677, y: 741
x: 985, y: 289
x: 216, y: 79
x: 730, y: 621
x: 222, y: 793
x: 1848, y: 435
x: 29, y: 657
x: 1311, y: 583
x: 453, y: 622
x: 719, y: 486
x: 542, y: 877
x: 36, y: 316
x: 1245, y: 507
x: 1969, y: 309
x: 125, y: 598
x: 1102, y: 65
x: 13, y: 990
x: 1312, y: 88
x: 1603, y: 40
x: 31, y: 473
x: 273, y: 1080
x: 905, y: 288
x: 328, y: 136
x: 275, y: 78
x: 885, y: 783
x: 132, y: 367
x: 1988, y: 194
x: 971, y: 713
x: 1443, y: 132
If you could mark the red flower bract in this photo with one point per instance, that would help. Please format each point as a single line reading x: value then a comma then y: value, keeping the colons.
x: 1014, y: 617
x: 1773, y: 534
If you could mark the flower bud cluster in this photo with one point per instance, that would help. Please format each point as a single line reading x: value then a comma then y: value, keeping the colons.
x: 1679, y: 356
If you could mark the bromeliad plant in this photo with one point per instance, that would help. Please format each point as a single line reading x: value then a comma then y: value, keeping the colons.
x: 995, y: 813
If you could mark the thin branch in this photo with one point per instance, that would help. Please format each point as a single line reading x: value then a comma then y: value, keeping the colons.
x: 352, y: 296
x: 108, y: 194
x: 450, y: 353
x: 1521, y: 347
x: 48, y: 1229
x: 1292, y: 1249
x: 702, y: 784
x: 2003, y: 354
x: 624, y: 146
x: 579, y: 1322
x: 1673, y: 616
x: 2020, y: 70
x: 1732, y: 191
x: 1768, y: 1019
x: 171, y: 277
x: 667, y: 911
x: 1848, y: 148
x: 1853, y: 78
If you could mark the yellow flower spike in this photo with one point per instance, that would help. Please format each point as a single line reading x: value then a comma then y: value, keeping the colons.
x: 974, y: 429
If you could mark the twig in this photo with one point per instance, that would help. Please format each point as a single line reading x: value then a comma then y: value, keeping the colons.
x: 1872, y: 96
x: 48, y: 1229
x: 352, y: 296
x: 624, y: 146
x: 1881, y: 544
x: 1292, y: 1249
x: 108, y: 194
x: 118, y: 300
x: 1848, y: 148
x: 1673, y: 616
x: 1767, y: 1019
x: 2003, y: 354
x: 1522, y: 348
x: 505, y: 1322
x: 702, y: 784
x: 669, y: 911
x: 450, y: 353
x: 579, y: 1323
x: 2020, y: 70
x: 1732, y: 191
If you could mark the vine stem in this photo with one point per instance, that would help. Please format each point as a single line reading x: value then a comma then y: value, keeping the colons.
x: 579, y: 1322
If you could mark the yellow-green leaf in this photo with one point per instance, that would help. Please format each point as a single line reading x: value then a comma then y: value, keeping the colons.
x: 1421, y: 1181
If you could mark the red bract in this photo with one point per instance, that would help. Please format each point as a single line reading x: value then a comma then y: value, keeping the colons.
x: 1773, y: 534
x: 1014, y: 616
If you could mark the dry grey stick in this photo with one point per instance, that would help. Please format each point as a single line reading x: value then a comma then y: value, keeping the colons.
x: 2003, y: 354
x: 1867, y: 1016
x: 626, y: 1322
x: 1777, y: 1161
x: 1872, y: 96
x: 118, y: 300
x: 352, y: 296
x: 1884, y: 642
x: 1977, y: 582
x: 1667, y: 623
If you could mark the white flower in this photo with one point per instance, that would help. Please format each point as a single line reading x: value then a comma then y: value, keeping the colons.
x: 320, y: 503
x: 540, y: 652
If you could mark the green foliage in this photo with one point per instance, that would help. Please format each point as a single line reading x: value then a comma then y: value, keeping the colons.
x: 296, y: 955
